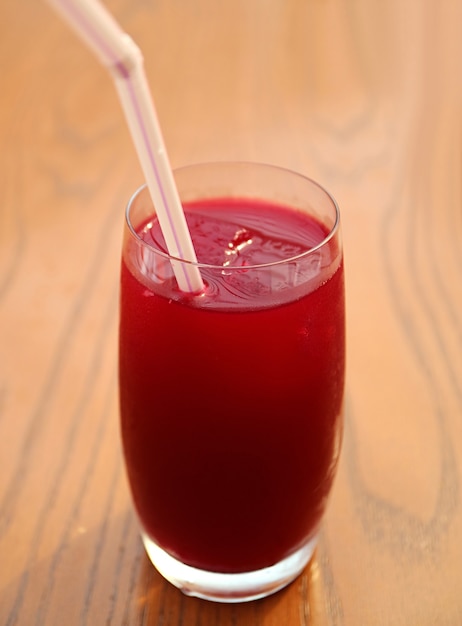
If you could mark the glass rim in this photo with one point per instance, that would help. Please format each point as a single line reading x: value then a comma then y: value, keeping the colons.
x: 211, y: 266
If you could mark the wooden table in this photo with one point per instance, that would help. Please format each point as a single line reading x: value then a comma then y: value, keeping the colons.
x: 364, y: 96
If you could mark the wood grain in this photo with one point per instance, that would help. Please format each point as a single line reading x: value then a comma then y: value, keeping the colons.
x: 364, y: 97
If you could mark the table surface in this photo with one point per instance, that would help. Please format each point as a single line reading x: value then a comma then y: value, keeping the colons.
x: 366, y: 98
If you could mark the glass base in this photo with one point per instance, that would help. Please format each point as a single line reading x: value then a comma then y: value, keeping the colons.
x: 229, y: 587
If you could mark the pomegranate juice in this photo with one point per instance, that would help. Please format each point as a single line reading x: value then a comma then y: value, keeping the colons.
x: 231, y: 400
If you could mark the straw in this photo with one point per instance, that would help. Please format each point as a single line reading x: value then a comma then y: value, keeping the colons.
x: 116, y: 50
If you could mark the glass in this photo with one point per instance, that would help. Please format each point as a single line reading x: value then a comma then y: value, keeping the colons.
x: 231, y: 400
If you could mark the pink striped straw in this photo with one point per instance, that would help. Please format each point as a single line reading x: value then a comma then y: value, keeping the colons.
x: 116, y: 51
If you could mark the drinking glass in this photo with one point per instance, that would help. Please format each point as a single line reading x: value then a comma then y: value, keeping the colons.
x: 231, y: 399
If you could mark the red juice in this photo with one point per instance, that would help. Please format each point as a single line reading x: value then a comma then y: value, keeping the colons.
x: 231, y: 400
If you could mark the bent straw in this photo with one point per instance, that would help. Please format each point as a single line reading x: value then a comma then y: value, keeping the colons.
x: 116, y: 50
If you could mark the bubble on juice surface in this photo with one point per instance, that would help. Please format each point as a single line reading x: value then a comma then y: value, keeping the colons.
x: 234, y: 252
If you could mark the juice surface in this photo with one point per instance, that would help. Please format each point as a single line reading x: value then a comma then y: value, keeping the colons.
x: 230, y: 405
